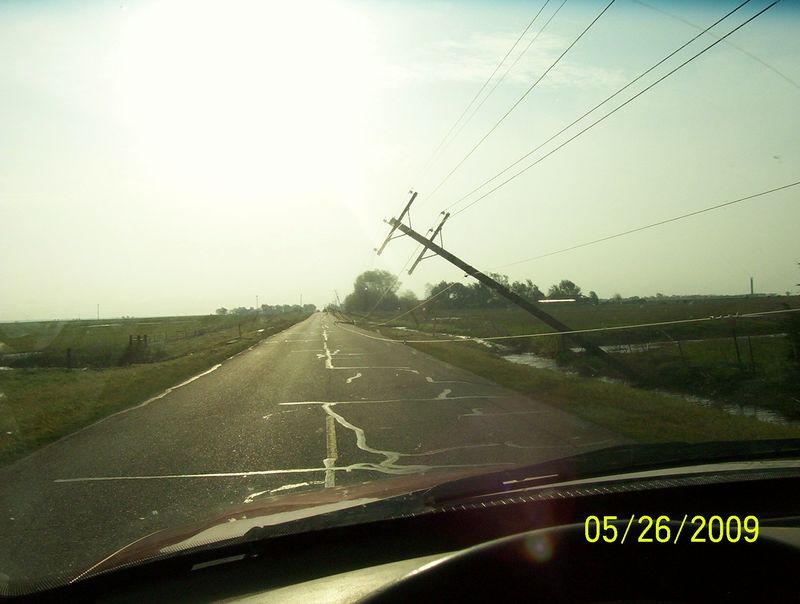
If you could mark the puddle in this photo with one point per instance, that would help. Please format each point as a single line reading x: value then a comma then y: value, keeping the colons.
x: 482, y: 342
x: 764, y: 415
x: 637, y: 348
x: 21, y: 355
x: 629, y: 348
x: 533, y: 360
x: 486, y: 343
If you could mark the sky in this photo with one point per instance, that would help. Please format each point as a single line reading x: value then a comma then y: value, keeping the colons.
x: 171, y: 157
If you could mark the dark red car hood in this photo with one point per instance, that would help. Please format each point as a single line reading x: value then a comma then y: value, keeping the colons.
x: 272, y: 511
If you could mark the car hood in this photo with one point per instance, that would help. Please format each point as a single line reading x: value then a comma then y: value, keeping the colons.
x: 406, y: 494
x: 311, y: 510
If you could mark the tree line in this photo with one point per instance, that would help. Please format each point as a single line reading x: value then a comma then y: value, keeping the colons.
x: 267, y: 309
x: 454, y: 294
x: 378, y: 290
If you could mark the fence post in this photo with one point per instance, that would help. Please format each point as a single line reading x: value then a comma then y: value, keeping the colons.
x: 736, y: 345
x: 680, y: 348
x: 680, y: 351
x: 752, y: 359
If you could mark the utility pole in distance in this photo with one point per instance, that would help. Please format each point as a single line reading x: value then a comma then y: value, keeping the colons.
x: 516, y: 299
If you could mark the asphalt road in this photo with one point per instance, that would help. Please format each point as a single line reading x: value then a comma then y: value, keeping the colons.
x: 318, y: 405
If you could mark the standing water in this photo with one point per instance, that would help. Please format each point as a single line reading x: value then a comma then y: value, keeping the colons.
x: 764, y: 415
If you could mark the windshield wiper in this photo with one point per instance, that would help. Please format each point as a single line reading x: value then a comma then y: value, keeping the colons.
x: 611, y: 460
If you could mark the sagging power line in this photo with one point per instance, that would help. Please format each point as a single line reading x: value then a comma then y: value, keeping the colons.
x: 445, y: 142
x: 510, y: 67
x: 629, y: 327
x: 637, y: 95
x: 744, y: 51
x: 596, y: 107
x: 520, y: 99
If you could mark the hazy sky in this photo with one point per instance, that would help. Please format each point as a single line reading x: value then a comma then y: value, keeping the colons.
x: 172, y: 157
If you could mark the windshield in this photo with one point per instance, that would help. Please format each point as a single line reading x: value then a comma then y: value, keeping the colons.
x: 253, y: 251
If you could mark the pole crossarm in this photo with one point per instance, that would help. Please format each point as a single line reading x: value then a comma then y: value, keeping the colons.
x: 406, y: 210
x: 531, y: 308
x: 437, y: 231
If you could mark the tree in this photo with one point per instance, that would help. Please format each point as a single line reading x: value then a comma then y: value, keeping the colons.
x: 408, y: 299
x: 565, y: 289
x: 222, y: 311
x: 454, y: 294
x: 593, y: 298
x: 528, y: 290
x: 373, y: 289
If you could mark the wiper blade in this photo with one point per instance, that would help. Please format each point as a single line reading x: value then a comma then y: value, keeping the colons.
x: 365, y: 511
x: 610, y: 460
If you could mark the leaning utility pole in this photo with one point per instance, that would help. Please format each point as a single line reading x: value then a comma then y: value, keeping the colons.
x: 505, y: 292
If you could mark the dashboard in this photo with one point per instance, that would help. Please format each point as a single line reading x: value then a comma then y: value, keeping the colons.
x: 657, y: 537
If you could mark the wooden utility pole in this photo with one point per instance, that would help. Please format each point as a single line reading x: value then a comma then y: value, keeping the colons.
x: 537, y: 312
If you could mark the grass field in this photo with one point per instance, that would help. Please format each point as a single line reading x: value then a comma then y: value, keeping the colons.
x: 41, y: 404
x: 515, y: 321
x: 695, y: 358
x: 107, y: 343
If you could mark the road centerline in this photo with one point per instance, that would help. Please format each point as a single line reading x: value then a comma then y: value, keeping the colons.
x: 331, y: 450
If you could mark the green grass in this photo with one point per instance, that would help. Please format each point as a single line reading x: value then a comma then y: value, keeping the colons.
x: 642, y: 415
x: 105, y: 343
x: 40, y: 405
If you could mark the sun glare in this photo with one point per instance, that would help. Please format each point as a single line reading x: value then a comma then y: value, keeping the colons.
x: 248, y: 97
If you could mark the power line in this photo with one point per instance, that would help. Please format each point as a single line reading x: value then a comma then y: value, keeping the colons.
x: 752, y: 315
x: 744, y: 51
x: 438, y: 147
x: 510, y: 67
x: 637, y: 95
x: 651, y: 225
x: 477, y: 94
x: 600, y: 240
x: 596, y: 107
x: 395, y: 280
x: 720, y: 39
x: 421, y: 304
x: 520, y: 99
